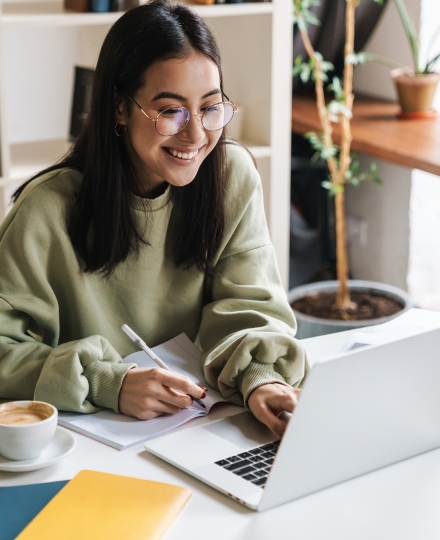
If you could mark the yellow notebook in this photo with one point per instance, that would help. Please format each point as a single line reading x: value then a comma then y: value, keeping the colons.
x: 96, y: 505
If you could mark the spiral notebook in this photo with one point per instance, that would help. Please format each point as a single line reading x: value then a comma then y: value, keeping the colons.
x: 120, y: 431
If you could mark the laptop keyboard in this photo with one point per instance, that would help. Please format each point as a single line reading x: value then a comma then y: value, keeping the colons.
x: 253, y: 465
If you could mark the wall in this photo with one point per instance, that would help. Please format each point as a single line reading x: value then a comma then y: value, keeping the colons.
x: 423, y: 274
x: 385, y: 255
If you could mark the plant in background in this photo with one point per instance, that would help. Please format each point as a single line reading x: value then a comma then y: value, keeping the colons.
x: 415, y: 85
x: 413, y: 39
x: 343, y: 168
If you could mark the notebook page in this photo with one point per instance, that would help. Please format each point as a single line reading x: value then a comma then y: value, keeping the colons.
x: 121, y: 431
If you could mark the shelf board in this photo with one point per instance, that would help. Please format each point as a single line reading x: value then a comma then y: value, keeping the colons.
x: 52, y: 13
x: 378, y: 132
x: 29, y: 158
x: 259, y: 152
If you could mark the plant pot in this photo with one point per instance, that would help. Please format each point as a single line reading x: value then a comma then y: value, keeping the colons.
x: 309, y: 326
x: 416, y: 92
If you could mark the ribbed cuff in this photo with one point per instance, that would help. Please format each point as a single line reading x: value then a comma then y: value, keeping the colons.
x: 255, y: 375
x: 105, y: 381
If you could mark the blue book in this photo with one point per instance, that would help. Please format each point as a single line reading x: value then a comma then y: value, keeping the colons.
x: 20, y: 504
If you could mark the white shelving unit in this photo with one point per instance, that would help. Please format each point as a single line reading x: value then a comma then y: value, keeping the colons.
x: 40, y: 43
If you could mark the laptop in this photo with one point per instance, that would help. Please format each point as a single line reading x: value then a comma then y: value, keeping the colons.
x: 359, y: 411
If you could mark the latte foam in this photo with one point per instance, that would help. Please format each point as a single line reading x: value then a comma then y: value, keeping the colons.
x: 23, y: 415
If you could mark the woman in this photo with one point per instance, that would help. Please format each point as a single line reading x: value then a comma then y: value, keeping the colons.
x: 150, y: 220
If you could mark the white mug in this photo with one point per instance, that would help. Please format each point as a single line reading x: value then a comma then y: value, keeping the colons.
x: 20, y: 439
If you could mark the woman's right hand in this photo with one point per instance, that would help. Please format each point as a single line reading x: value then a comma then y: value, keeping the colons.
x: 149, y: 392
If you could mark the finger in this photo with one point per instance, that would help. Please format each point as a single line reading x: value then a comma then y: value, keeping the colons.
x: 267, y: 417
x: 178, y: 382
x: 153, y: 407
x: 283, y: 402
x: 175, y: 398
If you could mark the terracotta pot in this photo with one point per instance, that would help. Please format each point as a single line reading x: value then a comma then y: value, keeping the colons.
x: 309, y: 326
x: 416, y: 92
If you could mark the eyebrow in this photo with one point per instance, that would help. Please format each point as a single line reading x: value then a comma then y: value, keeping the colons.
x: 172, y: 95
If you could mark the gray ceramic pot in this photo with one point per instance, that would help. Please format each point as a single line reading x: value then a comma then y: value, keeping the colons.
x: 309, y: 326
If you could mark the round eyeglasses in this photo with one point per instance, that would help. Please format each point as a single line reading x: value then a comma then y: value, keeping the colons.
x: 174, y: 120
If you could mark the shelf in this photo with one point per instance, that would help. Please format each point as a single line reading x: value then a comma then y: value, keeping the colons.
x: 259, y: 152
x: 52, y: 13
x: 29, y: 158
x: 378, y: 132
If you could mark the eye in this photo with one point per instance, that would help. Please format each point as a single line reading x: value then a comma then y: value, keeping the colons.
x: 171, y: 113
x: 213, y: 107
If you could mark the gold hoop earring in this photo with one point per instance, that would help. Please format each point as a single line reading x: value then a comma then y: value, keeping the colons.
x: 120, y: 129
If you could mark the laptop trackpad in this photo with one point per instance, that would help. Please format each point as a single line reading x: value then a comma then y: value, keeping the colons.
x: 243, y: 429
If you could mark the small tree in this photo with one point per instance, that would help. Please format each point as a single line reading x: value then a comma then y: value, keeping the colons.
x: 343, y: 167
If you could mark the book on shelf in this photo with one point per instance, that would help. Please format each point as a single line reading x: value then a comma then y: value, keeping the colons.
x: 120, y: 431
x: 102, y: 505
x: 82, y: 96
x: 77, y: 5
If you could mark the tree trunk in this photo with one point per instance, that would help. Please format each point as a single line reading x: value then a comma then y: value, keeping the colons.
x: 343, y: 296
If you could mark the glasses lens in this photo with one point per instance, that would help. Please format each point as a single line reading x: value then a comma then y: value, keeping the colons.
x: 217, y: 116
x: 172, y: 121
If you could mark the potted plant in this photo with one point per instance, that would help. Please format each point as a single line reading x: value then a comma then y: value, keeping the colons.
x: 328, y: 307
x: 415, y: 85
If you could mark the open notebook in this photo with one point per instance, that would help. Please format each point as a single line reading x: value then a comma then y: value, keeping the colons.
x: 121, y: 431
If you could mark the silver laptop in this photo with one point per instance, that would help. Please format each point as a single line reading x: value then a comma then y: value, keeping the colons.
x: 359, y: 411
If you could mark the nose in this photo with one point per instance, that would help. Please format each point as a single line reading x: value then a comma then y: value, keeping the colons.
x: 194, y: 132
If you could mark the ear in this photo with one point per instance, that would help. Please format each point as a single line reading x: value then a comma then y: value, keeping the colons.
x: 121, y: 114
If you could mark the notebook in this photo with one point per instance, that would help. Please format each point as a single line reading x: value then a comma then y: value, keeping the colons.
x: 20, y: 504
x: 101, y: 505
x: 120, y: 431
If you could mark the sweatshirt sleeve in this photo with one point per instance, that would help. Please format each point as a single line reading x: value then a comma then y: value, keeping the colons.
x: 248, y: 328
x: 79, y: 376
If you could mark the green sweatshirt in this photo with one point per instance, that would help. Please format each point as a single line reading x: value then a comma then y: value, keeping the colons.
x: 60, y: 328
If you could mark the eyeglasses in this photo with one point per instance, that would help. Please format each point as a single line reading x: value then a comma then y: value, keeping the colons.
x: 174, y: 120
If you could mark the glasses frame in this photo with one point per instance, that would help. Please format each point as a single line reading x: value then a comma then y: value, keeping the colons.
x: 155, y: 119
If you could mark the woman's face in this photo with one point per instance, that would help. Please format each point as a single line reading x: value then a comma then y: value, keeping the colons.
x: 194, y: 83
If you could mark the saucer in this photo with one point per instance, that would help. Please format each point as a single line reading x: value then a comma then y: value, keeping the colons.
x: 61, y: 445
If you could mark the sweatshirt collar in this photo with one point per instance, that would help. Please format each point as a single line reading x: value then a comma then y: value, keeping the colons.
x: 151, y: 205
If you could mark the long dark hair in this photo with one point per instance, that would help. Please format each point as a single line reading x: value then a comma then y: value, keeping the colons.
x: 102, y: 225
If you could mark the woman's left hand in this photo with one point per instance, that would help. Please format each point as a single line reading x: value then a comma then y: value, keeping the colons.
x: 267, y: 402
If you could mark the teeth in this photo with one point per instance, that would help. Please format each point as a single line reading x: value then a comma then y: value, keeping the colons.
x: 182, y: 155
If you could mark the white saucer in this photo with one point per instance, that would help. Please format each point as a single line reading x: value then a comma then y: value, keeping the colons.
x: 62, y: 444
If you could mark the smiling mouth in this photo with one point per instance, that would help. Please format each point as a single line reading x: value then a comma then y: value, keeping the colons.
x: 182, y: 155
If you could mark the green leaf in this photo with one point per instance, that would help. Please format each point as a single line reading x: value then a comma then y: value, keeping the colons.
x: 327, y: 185
x: 354, y: 166
x: 372, y: 57
x: 305, y: 76
x: 336, y: 88
x: 302, y: 14
x: 410, y: 31
x: 356, y: 58
x: 336, y: 109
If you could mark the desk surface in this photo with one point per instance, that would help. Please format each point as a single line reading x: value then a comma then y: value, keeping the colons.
x: 400, y: 502
x: 379, y: 133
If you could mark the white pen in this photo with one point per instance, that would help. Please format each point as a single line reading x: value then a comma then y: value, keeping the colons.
x: 142, y: 345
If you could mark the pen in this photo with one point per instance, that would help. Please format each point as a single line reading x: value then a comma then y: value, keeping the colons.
x: 142, y: 345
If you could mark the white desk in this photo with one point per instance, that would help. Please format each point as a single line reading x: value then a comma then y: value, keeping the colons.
x: 400, y: 502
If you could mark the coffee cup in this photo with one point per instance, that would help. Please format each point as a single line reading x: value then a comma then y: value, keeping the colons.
x: 26, y: 428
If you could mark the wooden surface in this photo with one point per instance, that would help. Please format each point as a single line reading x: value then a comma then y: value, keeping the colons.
x: 378, y: 132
